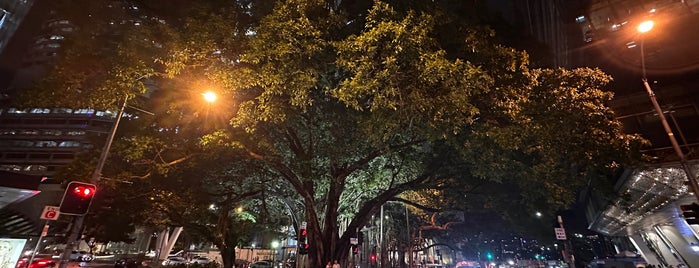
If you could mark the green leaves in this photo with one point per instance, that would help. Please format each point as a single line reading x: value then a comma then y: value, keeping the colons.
x: 396, y: 70
x: 339, y: 118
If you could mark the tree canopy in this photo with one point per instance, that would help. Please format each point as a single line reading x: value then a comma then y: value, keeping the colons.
x: 345, y: 108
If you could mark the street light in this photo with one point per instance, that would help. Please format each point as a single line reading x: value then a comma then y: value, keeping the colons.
x: 78, y: 221
x: 209, y: 96
x: 643, y: 28
x: 275, y: 244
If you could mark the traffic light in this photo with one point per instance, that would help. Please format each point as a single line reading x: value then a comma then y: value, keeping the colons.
x: 372, y: 257
x: 489, y: 256
x: 302, y: 235
x: 303, y: 245
x: 355, y: 249
x: 690, y: 213
x: 77, y: 198
x: 303, y: 248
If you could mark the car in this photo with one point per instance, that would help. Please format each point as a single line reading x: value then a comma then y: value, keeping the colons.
x: 125, y: 263
x: 200, y: 260
x: 81, y: 256
x: 262, y: 264
x: 46, y: 262
x: 174, y: 261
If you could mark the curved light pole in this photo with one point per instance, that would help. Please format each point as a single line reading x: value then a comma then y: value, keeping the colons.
x: 78, y: 221
x: 643, y: 28
x: 97, y: 174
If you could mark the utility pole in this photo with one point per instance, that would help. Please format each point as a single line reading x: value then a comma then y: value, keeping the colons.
x: 78, y: 221
x: 643, y: 28
x: 567, y: 247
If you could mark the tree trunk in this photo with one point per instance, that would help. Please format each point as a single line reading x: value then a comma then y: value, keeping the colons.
x: 401, y: 259
x: 228, y: 256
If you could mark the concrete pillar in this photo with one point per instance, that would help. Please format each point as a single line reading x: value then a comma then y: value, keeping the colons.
x: 169, y: 242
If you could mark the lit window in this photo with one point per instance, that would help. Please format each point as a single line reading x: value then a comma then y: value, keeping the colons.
x: 63, y: 111
x: 84, y: 111
x: 69, y: 144
x: 56, y: 37
x: 40, y: 111
x: 46, y: 144
x: 53, y: 132
x: 75, y: 133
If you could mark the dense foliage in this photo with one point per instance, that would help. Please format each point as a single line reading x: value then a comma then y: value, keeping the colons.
x: 340, y: 108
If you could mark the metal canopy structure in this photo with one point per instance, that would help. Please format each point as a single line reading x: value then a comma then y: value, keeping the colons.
x: 650, y: 197
x: 15, y: 187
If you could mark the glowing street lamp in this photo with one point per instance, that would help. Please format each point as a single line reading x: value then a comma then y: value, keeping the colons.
x: 78, y: 221
x: 209, y: 96
x: 275, y: 244
x: 643, y: 28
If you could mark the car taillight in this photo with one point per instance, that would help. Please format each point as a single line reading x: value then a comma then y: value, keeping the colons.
x: 42, y: 262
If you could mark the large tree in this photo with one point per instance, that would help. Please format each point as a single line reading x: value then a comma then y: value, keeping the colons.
x: 352, y: 106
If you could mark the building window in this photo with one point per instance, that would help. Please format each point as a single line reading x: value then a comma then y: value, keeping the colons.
x: 46, y: 144
x: 69, y: 144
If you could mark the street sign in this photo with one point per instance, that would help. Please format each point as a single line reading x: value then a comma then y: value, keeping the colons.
x: 45, y: 231
x: 303, y: 225
x: 50, y: 213
x: 354, y: 241
x: 560, y: 233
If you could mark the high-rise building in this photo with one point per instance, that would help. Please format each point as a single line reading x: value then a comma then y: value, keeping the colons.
x: 12, y: 12
x: 39, y: 141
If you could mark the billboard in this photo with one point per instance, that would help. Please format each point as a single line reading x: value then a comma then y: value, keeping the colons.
x: 10, y: 251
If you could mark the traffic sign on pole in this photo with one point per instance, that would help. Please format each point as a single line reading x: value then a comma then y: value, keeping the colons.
x: 50, y: 213
x: 560, y: 233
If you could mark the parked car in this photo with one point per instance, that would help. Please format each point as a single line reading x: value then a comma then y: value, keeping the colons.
x: 81, y: 256
x: 125, y: 263
x: 174, y: 261
x: 200, y: 260
x: 45, y: 262
x: 262, y: 264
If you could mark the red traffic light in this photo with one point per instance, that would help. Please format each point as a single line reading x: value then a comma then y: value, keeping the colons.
x: 77, y: 198
x: 304, y: 232
x: 84, y: 191
x: 372, y: 257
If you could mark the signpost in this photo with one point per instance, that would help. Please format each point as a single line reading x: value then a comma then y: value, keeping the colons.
x: 50, y: 213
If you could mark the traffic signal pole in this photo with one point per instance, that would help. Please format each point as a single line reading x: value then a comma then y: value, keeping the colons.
x: 567, y: 247
x: 78, y: 221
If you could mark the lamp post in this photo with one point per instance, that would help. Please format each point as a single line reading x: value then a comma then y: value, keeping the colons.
x: 275, y: 244
x: 78, y: 221
x: 643, y: 28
